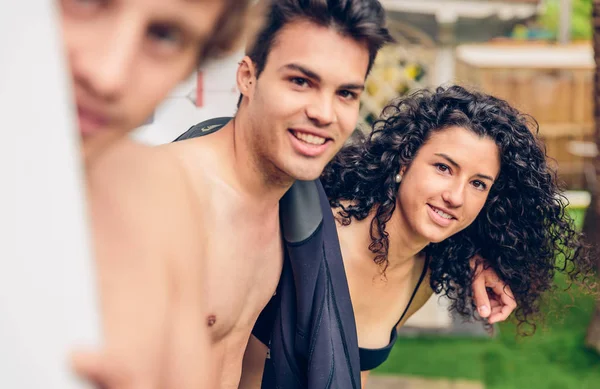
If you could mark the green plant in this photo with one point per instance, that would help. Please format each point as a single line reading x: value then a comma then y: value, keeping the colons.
x: 581, y: 24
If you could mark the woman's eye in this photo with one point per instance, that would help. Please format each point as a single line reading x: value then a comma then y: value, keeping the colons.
x: 442, y: 168
x: 480, y: 185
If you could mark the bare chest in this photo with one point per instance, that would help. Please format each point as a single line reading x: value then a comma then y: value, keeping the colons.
x: 244, y: 264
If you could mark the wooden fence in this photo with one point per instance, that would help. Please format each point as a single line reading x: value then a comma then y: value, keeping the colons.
x: 554, y: 84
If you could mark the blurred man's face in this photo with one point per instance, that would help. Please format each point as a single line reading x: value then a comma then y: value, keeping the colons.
x: 126, y: 55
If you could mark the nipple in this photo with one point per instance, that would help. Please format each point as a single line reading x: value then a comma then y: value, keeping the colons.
x: 211, y: 320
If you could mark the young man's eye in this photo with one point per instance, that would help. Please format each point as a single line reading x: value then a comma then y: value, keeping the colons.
x: 299, y: 81
x: 442, y: 167
x: 480, y: 185
x: 82, y: 7
x: 166, y: 34
x: 90, y: 3
x: 348, y: 95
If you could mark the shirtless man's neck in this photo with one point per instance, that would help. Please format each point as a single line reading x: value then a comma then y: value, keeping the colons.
x: 241, y: 168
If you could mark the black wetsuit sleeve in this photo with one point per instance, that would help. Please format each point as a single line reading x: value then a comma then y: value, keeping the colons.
x: 204, y: 128
x: 264, y: 324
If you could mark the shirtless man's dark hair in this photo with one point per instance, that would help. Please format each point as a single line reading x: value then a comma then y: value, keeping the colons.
x: 362, y: 20
x: 359, y: 19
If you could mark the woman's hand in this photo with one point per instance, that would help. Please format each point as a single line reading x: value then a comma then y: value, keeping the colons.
x: 493, y: 297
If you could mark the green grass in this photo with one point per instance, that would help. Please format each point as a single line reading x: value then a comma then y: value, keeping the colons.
x: 553, y: 358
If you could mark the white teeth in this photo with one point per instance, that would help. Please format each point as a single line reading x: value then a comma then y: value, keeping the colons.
x: 443, y: 214
x: 308, y: 138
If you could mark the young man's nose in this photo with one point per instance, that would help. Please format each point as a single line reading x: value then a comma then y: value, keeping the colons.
x: 321, y: 112
x: 107, y: 68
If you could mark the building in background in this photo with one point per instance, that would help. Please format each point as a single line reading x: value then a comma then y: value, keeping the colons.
x: 427, y: 31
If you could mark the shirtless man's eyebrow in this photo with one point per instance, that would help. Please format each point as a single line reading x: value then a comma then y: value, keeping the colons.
x: 314, y: 76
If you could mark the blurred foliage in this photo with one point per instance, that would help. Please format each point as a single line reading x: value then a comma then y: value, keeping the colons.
x: 395, y: 73
x: 547, y: 23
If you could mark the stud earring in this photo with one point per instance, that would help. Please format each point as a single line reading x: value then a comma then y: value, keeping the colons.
x: 398, y: 178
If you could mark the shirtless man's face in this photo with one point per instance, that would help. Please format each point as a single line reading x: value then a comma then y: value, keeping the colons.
x: 304, y: 105
x: 125, y: 57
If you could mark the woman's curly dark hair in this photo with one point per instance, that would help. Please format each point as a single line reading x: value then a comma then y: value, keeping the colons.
x: 523, y: 230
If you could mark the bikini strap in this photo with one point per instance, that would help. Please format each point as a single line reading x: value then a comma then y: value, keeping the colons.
x: 423, y: 273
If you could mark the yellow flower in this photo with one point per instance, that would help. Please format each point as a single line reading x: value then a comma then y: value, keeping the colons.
x: 372, y: 88
x: 412, y: 71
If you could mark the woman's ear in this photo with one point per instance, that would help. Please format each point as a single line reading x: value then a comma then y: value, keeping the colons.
x: 402, y: 171
x: 246, y: 77
x: 400, y: 174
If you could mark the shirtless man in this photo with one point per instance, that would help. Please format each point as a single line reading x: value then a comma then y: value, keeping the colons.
x: 125, y: 56
x: 300, y: 99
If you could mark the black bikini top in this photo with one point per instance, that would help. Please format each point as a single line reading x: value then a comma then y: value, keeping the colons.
x: 370, y: 358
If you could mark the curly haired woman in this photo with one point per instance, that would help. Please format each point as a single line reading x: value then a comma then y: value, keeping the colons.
x: 443, y: 177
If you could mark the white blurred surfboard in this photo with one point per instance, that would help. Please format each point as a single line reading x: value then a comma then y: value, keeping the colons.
x: 48, y: 302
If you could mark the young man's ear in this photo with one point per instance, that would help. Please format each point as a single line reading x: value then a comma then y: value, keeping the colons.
x: 246, y: 77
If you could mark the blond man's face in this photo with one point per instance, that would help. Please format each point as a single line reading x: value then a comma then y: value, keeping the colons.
x: 126, y: 55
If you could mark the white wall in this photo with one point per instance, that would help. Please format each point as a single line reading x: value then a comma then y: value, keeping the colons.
x: 178, y: 113
x: 47, y: 288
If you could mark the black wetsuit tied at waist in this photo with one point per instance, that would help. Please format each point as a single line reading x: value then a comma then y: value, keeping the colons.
x: 313, y: 342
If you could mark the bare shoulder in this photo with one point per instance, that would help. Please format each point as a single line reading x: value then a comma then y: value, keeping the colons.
x: 140, y: 196
x: 149, y: 261
x: 200, y: 148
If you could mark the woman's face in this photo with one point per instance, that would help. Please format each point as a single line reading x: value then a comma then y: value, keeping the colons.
x: 445, y: 187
